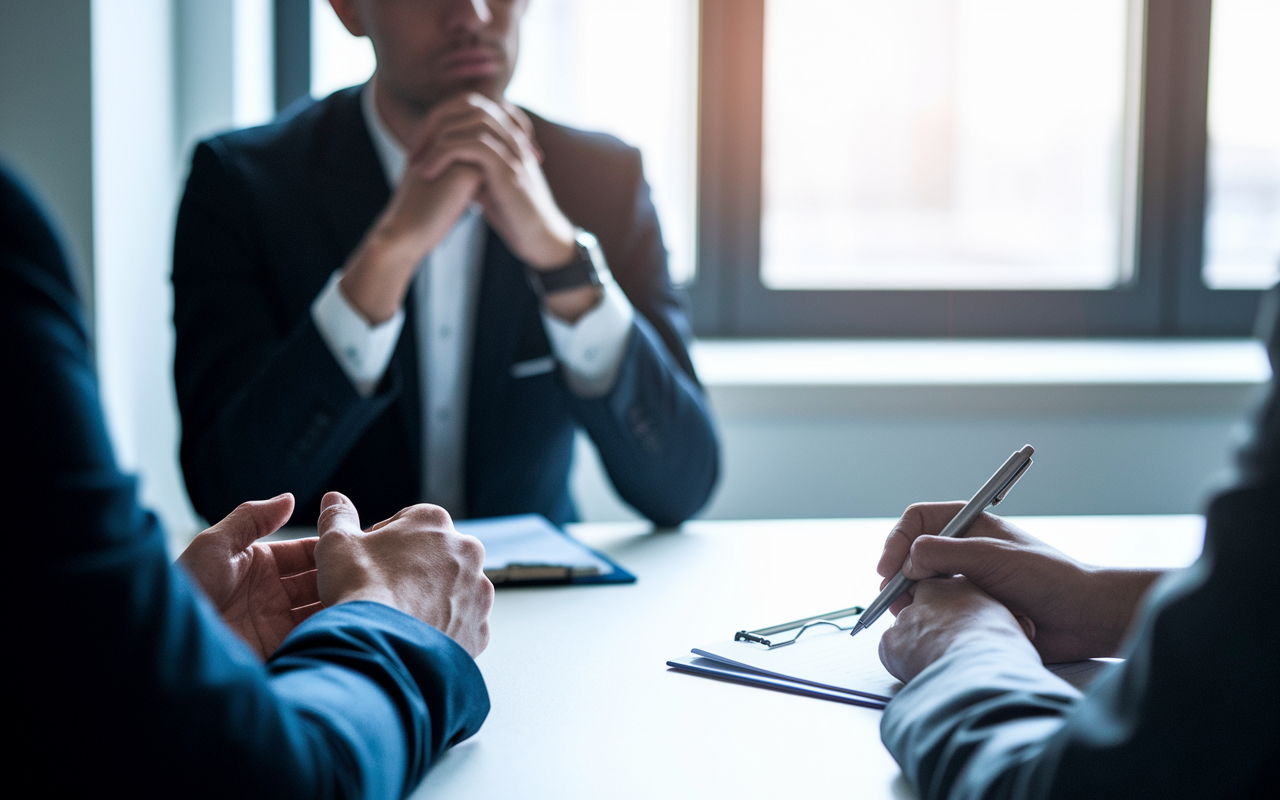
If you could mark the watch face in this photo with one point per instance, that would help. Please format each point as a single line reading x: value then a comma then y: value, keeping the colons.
x: 579, y: 272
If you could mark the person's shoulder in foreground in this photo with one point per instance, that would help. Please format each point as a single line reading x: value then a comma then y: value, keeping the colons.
x: 129, y: 677
x: 1191, y: 712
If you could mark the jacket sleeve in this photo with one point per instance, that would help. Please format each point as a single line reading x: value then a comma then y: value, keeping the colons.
x: 654, y: 429
x: 124, y: 665
x: 1190, y: 713
x: 265, y: 406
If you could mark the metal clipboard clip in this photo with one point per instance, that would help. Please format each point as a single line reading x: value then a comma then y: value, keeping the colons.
x: 800, y: 626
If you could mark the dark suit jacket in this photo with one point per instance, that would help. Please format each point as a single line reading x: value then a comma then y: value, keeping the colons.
x: 123, y: 675
x: 269, y: 213
x: 1193, y: 712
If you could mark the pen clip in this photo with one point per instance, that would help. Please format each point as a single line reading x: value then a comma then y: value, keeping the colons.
x: 1004, y: 490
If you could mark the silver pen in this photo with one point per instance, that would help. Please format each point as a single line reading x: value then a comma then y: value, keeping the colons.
x: 991, y: 493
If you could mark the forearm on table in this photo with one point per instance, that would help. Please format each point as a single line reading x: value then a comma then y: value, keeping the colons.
x: 654, y: 432
x: 975, y: 718
x: 401, y: 691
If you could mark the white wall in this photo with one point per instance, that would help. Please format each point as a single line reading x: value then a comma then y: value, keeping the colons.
x: 46, y: 125
x: 792, y: 450
x: 100, y: 102
x: 134, y: 172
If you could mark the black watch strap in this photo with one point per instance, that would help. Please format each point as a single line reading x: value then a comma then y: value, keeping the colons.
x: 579, y: 272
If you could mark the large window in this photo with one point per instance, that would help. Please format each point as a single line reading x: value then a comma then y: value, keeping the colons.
x: 975, y: 168
x: 947, y: 144
x: 928, y: 167
x: 1242, y: 219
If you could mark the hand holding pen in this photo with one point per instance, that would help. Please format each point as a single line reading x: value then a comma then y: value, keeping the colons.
x: 1070, y: 611
x: 991, y: 493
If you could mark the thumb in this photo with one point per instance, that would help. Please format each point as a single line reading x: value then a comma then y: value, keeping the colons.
x: 337, y: 514
x: 249, y: 522
x: 976, y: 559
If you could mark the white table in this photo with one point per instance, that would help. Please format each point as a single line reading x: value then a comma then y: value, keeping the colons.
x: 584, y: 706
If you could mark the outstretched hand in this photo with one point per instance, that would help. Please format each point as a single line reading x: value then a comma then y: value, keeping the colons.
x: 262, y: 590
x: 1069, y: 611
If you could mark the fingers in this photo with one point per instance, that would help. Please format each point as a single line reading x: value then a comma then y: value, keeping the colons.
x: 928, y: 519
x: 484, y: 151
x: 294, y: 556
x: 249, y: 522
x: 423, y: 514
x: 890, y: 644
x: 302, y: 590
x: 443, y: 114
x: 901, y: 603
x: 918, y: 520
x: 474, y: 110
x: 337, y: 515
x: 375, y: 526
x: 468, y: 120
x: 1028, y: 625
x: 979, y: 559
x: 508, y: 138
x: 522, y: 119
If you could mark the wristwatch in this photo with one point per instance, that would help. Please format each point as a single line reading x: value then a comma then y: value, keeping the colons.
x: 584, y: 269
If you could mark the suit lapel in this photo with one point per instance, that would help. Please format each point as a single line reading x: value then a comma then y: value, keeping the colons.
x: 349, y: 177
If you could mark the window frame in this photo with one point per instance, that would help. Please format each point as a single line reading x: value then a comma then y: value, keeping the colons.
x: 292, y: 40
x: 1166, y: 297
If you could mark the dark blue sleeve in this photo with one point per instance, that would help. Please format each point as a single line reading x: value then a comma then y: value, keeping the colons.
x: 654, y: 430
x: 1192, y: 712
x: 121, y: 669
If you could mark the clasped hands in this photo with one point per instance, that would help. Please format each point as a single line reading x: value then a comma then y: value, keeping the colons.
x: 999, y: 586
x: 467, y: 149
x: 415, y: 562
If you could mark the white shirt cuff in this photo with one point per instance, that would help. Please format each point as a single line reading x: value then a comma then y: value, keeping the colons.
x: 362, y: 350
x: 591, y: 349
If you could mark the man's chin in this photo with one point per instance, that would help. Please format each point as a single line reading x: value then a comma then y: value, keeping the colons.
x: 491, y: 86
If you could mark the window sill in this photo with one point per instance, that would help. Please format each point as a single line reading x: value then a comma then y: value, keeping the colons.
x: 843, y: 377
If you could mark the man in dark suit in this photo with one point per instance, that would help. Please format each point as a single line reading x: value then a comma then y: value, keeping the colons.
x: 358, y: 671
x: 1193, y: 710
x: 397, y: 292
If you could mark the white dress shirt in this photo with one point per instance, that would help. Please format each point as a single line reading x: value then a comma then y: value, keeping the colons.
x: 589, y: 351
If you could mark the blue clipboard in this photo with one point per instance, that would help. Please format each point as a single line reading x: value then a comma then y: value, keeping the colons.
x: 527, y: 550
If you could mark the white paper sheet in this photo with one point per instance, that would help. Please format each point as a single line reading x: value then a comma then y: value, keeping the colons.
x: 822, y: 657
x: 708, y: 667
